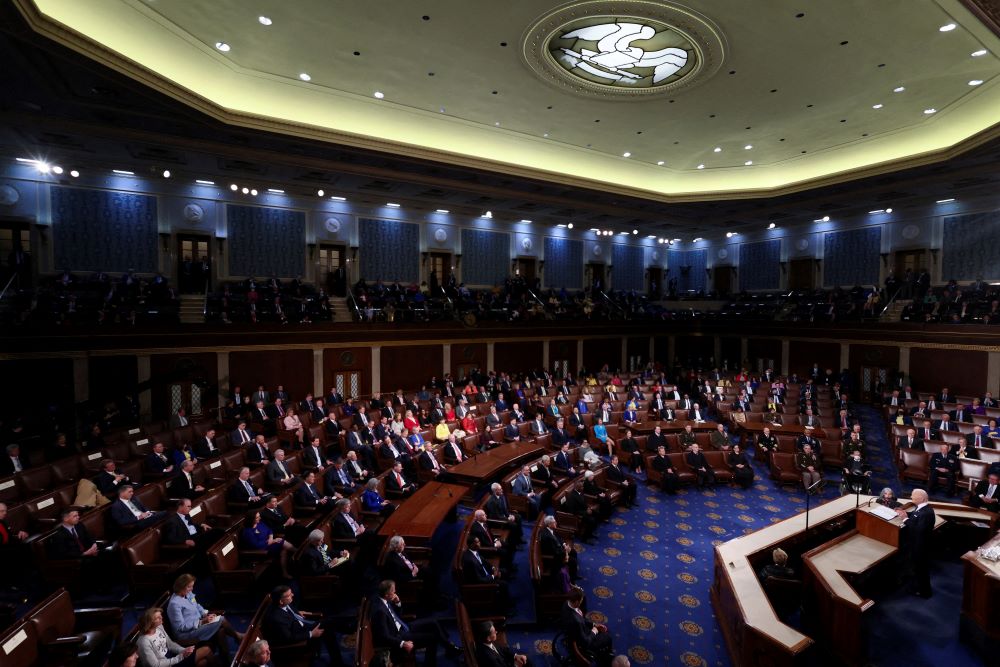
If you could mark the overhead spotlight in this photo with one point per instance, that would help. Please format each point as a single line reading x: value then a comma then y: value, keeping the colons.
x: 717, y: 149
x: 701, y: 166
x: 976, y: 82
x: 928, y: 112
x: 166, y: 173
x: 488, y: 215
x: 635, y: 231
x: 626, y: 154
x: 320, y: 193
x: 748, y: 163
x: 246, y: 191
x: 825, y: 218
x: 26, y: 160
x: 569, y: 225
x: 876, y: 211
x: 670, y: 242
x: 651, y: 236
x: 57, y: 169
x: 729, y: 235
x: 561, y: 224
x: 899, y: 89
x: 234, y: 187
x: 378, y: 94
x: 336, y: 198
x: 276, y: 191
x: 947, y: 27
x: 876, y: 106
x: 771, y: 226
x: 442, y: 210
x: 222, y: 46
x: 696, y: 240
x: 748, y: 147
x: 946, y: 201
x: 74, y: 173
x: 305, y: 77
x: 980, y: 52
x: 677, y: 240
x: 264, y: 20
x: 253, y: 191
x: 527, y: 222
x: 888, y: 210
x: 200, y: 181
x: 123, y: 172
x: 393, y: 205
x: 659, y: 163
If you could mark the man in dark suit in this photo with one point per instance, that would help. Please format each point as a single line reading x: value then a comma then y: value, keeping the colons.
x: 397, y: 566
x: 560, y: 555
x: 987, y: 493
x: 204, y: 447
x: 308, y: 496
x: 242, y: 491
x: 655, y: 440
x: 344, y: 526
x: 696, y: 460
x: 575, y: 503
x: 401, y: 639
x: 242, y: 435
x: 157, y: 463
x: 591, y: 638
x: 278, y: 473
x: 71, y: 541
x: 563, y: 461
x: 280, y: 523
x: 476, y: 569
x: 453, y: 453
x: 312, y: 456
x: 625, y: 482
x: 918, y: 526
x: 257, y: 451
x: 338, y: 479
x: 12, y: 462
x: 283, y: 626
x: 109, y: 480
x: 560, y: 435
x: 976, y: 438
x: 183, y: 485
x: 180, y: 529
x: 130, y: 514
x: 498, y: 509
x: 396, y: 482
x: 490, y: 653
x: 910, y: 440
x: 927, y: 432
x: 263, y: 420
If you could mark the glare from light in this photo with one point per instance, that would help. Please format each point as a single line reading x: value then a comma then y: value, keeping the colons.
x: 393, y: 205
x: 569, y: 226
x: 717, y: 149
x: 166, y: 173
x: 123, y: 172
x: 43, y: 167
x: 976, y: 82
x: 305, y: 77
x: 527, y: 222
x: 825, y: 218
x: 378, y: 94
x: 222, y: 46
x: 701, y: 166
x: 442, y: 210
x: 876, y: 106
x: 696, y: 240
x: 560, y: 225
x: 771, y: 226
x: 626, y: 154
x: 57, y: 169
x: 74, y: 173
x: 928, y: 112
x: 253, y: 191
x: 234, y: 187
x: 748, y: 163
x: 945, y: 201
x: 948, y: 27
x: 748, y: 147
x: 635, y: 231
x: 488, y: 215
x: 651, y: 236
x: 888, y: 210
x: 660, y: 163
x: 264, y: 20
x: 336, y: 198
x: 729, y: 235
x: 203, y: 182
x: 320, y: 193
x: 899, y: 89
x: 26, y: 160
x: 245, y: 191
x: 276, y: 191
x: 876, y: 211
x: 980, y: 52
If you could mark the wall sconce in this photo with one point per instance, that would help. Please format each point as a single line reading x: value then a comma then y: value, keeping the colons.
x: 354, y: 252
x: 423, y: 258
x: 885, y: 259
x: 165, y: 240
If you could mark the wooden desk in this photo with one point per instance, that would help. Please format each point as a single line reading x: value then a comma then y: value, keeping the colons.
x: 487, y: 465
x: 980, y: 623
x: 877, y: 528
x: 420, y: 515
x: 752, y: 429
x: 675, y: 426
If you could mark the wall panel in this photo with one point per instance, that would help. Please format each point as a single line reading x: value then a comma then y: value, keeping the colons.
x: 291, y: 368
x: 629, y: 267
x: 389, y: 250
x: 514, y: 356
x: 759, y: 265
x: 410, y: 366
x: 485, y: 257
x: 266, y: 242
x: 852, y: 257
x: 199, y: 367
x: 970, y: 246
x: 349, y: 360
x: 98, y: 230
x: 962, y: 371
x: 802, y: 355
x: 563, y: 263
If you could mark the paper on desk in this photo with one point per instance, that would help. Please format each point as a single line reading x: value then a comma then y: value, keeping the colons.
x: 883, y: 512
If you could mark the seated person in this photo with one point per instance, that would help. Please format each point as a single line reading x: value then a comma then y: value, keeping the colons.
x: 601, y: 435
x: 258, y: 536
x: 943, y: 466
x: 308, y: 496
x: 158, y: 463
x: 491, y: 653
x: 316, y: 559
x: 778, y: 567
x: 179, y: 529
x: 372, y: 500
x: 129, y: 514
x: 109, y: 481
x: 986, y: 495
x: 669, y: 479
x: 593, y: 639
x: 243, y: 492
x: 888, y: 498
x: 808, y: 465
x: 629, y: 448
x: 767, y: 442
x: 719, y: 438
x: 857, y: 474
x: 739, y: 462
x: 284, y: 626
x: 521, y: 486
x: 695, y: 458
x: 189, y: 621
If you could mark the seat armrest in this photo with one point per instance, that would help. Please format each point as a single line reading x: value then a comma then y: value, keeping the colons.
x: 98, y: 616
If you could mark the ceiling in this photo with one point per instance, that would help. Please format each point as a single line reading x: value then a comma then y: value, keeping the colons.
x: 796, y: 80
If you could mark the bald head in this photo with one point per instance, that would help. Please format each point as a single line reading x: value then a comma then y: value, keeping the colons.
x: 918, y: 496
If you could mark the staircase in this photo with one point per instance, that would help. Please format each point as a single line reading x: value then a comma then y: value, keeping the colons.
x: 192, y: 309
x: 895, y: 310
x: 341, y: 311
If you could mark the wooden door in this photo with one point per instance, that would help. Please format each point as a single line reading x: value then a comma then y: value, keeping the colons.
x: 909, y: 259
x: 331, y: 268
x: 15, y: 253
x: 597, y: 278
x: 654, y: 283
x: 801, y: 274
x: 722, y: 279
x: 873, y: 379
x: 525, y: 267
x: 438, y: 269
x: 192, y: 251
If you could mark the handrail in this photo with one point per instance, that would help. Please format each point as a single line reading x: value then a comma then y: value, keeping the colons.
x: 7, y: 286
x: 891, y: 301
x: 535, y: 297
x: 204, y: 302
x: 614, y: 305
x: 353, y: 303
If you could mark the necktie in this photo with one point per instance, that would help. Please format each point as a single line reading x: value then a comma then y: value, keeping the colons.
x: 991, y: 491
x: 312, y: 490
x: 76, y: 537
x: 243, y: 436
x: 927, y: 434
x: 400, y: 625
x: 352, y: 523
x: 248, y: 487
x: 4, y: 537
x: 977, y: 442
x: 340, y: 474
x: 297, y: 617
x: 399, y: 480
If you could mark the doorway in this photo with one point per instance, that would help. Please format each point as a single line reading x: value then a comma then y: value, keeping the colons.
x: 438, y: 270
x: 15, y: 252
x: 597, y: 276
x: 722, y: 279
x: 331, y: 268
x: 909, y: 259
x: 194, y: 268
x: 525, y: 267
x: 873, y: 381
x: 654, y: 283
x: 801, y: 274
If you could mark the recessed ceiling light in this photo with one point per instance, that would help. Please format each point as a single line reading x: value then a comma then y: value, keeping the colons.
x: 74, y: 173
x: 771, y: 226
x: 43, y: 167
x: 305, y: 77
x: 246, y: 191
x: 392, y: 205
x: 442, y: 210
x: 264, y: 20
x: 945, y: 201
x: 253, y: 191
x: 546, y: 135
x: 930, y: 111
x: 528, y: 222
x: 627, y: 154
x: 876, y: 211
x: 876, y: 106
x: 57, y: 169
x: 899, y: 89
x: 748, y: 147
x: 701, y: 166
x: 729, y: 235
x: 569, y: 226
x: 222, y: 46
x: 488, y: 215
x: 234, y: 187
x: 276, y: 191
x: 336, y: 198
x: 717, y: 149
x: 166, y: 173
x: 320, y: 193
x: 123, y: 172
x: 201, y: 181
x: 378, y: 94
x: 976, y: 82
x: 980, y: 52
x: 947, y: 27
x: 696, y: 240
x: 623, y: 233
x: 748, y: 163
x: 660, y: 163
x: 560, y: 225
x: 825, y: 218
x: 888, y: 210
x: 651, y: 236
x: 635, y: 231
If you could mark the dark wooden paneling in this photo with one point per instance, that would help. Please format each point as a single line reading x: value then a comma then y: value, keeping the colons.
x: 661, y: 348
x: 638, y: 347
x: 112, y: 377
x: 696, y: 349
x: 408, y: 367
x: 517, y: 357
x: 600, y: 351
x: 291, y: 368
x: 881, y: 356
x: 730, y: 350
x: 803, y: 354
x: 962, y: 371
x: 464, y: 354
x: 201, y: 367
x: 762, y: 348
x: 560, y: 350
x: 28, y: 382
x: 349, y: 359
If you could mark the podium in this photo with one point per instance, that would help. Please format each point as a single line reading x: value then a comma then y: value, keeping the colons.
x: 870, y: 524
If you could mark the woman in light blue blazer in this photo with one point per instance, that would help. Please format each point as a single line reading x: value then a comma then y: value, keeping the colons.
x: 190, y: 622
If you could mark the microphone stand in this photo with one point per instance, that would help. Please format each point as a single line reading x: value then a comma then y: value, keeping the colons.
x: 809, y: 493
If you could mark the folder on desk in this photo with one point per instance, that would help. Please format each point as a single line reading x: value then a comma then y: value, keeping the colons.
x: 883, y: 512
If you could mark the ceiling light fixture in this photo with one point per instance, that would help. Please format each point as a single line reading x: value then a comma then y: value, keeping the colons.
x: 717, y: 149
x: 57, y: 169
x: 876, y: 106
x: 74, y: 173
x: 660, y: 163
x: 635, y: 231
x: 488, y: 215
x: 729, y: 235
x: 200, y: 181
x: 980, y: 52
x: 26, y: 160
x: 560, y: 225
x: 825, y: 218
x: 245, y: 191
x: 320, y: 193
x: 336, y: 198
x: 234, y: 187
x: 947, y: 27
x: 888, y: 210
x: 43, y: 167
x: 442, y: 210
x: 876, y: 211
x: 748, y: 163
x: 528, y: 222
x: 899, y: 89
x: 701, y: 166
x: 264, y: 20
x: 623, y: 233
x: 393, y: 205
x: 976, y: 82
x: 166, y: 173
x: 276, y: 191
x: 569, y: 226
x: 305, y: 77
x: 123, y: 172
x: 253, y: 191
x: 222, y: 46
x: 626, y: 154
x: 696, y: 240
x: 378, y: 94
x: 771, y: 226
x: 928, y: 112
x: 945, y: 201
x: 748, y: 147
x: 651, y: 236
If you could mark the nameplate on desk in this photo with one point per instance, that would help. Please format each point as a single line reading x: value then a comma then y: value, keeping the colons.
x: 140, y: 443
x: 868, y: 605
x: 196, y: 510
x: 133, y: 431
x: 14, y: 642
x: 534, y: 468
x: 94, y: 456
x: 214, y: 464
x: 229, y: 547
x: 6, y: 485
x: 45, y: 503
